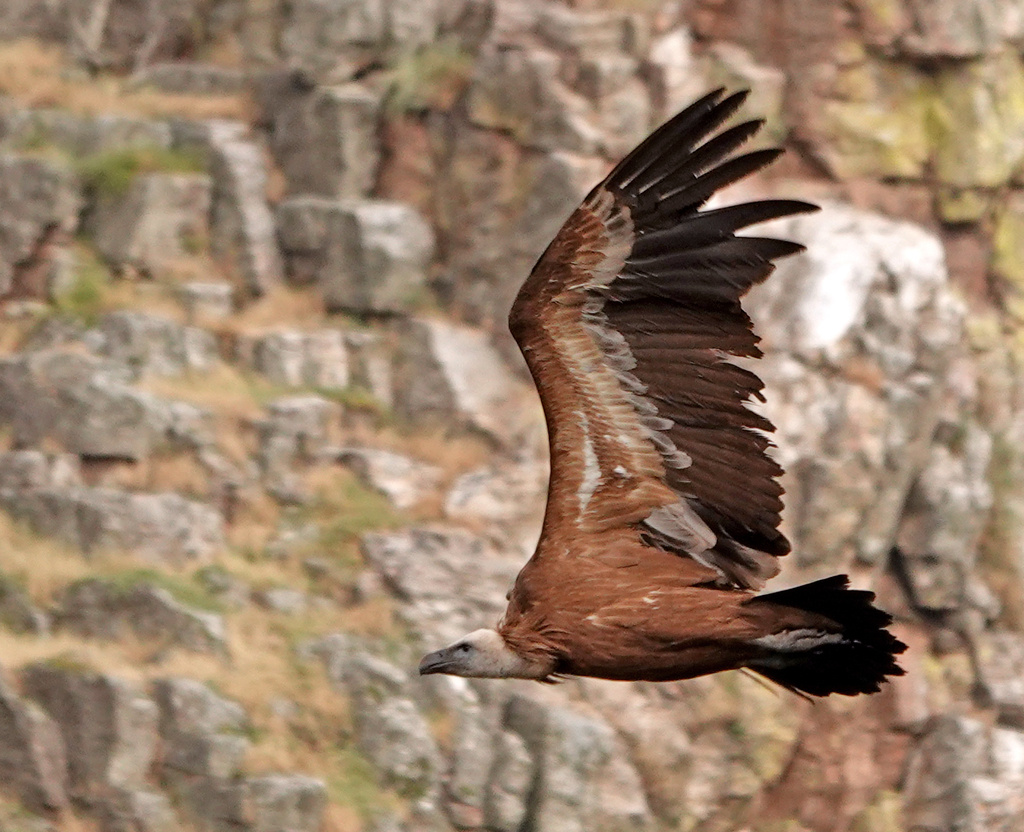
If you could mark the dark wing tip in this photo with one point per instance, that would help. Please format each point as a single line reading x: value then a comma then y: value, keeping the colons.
x: 685, y: 129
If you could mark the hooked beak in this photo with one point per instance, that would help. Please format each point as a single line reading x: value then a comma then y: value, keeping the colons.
x: 440, y: 661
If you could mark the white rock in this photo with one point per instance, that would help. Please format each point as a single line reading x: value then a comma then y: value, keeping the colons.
x: 446, y: 372
x: 404, y: 481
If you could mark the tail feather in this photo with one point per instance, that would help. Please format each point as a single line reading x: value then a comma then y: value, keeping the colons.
x: 854, y: 657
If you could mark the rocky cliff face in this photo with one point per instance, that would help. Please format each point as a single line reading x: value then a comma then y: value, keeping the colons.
x: 263, y: 439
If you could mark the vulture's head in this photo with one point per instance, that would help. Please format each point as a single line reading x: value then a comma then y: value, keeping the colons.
x: 481, y: 654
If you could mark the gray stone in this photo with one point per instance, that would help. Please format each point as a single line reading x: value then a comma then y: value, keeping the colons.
x: 411, y: 23
x: 158, y: 527
x: 451, y: 581
x: 573, y: 753
x: 241, y: 222
x: 81, y: 135
x: 472, y: 753
x: 603, y: 75
x: 294, y: 358
x: 152, y: 345
x: 371, y: 365
x: 501, y: 209
x: 511, y: 778
x: 946, y: 29
x: 323, y: 138
x: 449, y: 373
x: 26, y: 470
x: 624, y: 116
x: 123, y: 34
x: 105, y: 419
x: 160, y: 219
x: 390, y: 731
x: 33, y: 762
x: 733, y: 67
x: 39, y: 205
x: 84, y: 403
x: 100, y: 609
x: 307, y: 418
x: 330, y: 40
x: 590, y: 32
x: 861, y: 333
x: 498, y: 494
x: 27, y: 823
x: 191, y: 707
x: 295, y: 431
x: 303, y: 228
x: 57, y: 331
x: 136, y: 810
x: 191, y: 78
x: 965, y: 776
x: 945, y: 515
x: 367, y: 256
x: 207, y: 302
x: 404, y: 481
x: 518, y: 90
x: 109, y: 728
x: 269, y: 803
x: 18, y: 613
x: 282, y: 801
x: 1001, y: 671
x: 31, y: 18
x: 282, y: 599
x: 676, y: 73
x: 201, y: 731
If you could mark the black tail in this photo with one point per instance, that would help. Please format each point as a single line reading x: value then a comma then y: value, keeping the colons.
x: 855, y: 659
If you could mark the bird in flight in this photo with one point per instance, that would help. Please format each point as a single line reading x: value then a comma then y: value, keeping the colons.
x: 663, y: 507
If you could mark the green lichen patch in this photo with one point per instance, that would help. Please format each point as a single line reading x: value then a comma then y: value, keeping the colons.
x: 110, y: 174
x: 978, y: 121
x: 431, y: 77
x: 878, y: 124
x: 1008, y: 241
x: 84, y: 294
x: 353, y: 782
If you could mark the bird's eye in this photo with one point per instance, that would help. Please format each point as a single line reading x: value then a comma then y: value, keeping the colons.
x: 463, y: 648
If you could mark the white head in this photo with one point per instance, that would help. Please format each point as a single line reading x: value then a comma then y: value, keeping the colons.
x: 481, y: 654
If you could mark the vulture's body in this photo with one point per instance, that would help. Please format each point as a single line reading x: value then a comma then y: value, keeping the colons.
x: 663, y: 506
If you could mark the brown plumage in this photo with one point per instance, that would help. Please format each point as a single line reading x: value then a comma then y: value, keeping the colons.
x: 663, y: 506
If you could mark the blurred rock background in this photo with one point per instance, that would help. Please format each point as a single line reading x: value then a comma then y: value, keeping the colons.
x: 263, y: 437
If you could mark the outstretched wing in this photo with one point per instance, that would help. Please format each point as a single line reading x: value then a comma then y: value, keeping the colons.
x: 629, y: 322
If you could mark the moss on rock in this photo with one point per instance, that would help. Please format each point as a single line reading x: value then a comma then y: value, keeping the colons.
x: 978, y: 121
x: 878, y: 124
x: 1008, y: 241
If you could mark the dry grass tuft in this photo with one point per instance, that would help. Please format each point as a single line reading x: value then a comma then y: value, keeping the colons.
x: 40, y: 565
x: 454, y: 454
x: 254, y: 522
x: 14, y: 816
x: 37, y: 75
x: 94, y: 291
x: 279, y: 308
x: 128, y: 658
x: 179, y: 472
x: 232, y: 394
x: 14, y: 331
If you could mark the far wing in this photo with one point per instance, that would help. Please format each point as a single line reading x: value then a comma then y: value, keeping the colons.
x: 629, y: 322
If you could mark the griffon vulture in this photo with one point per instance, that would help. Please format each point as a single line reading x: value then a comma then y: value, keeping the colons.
x: 663, y: 506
